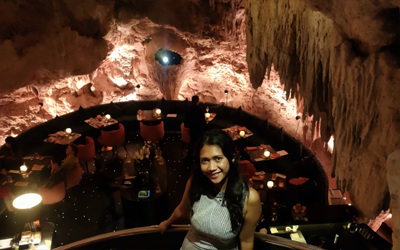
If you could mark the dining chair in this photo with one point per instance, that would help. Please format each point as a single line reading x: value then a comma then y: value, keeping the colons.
x: 52, y: 195
x: 152, y: 133
x: 86, y: 152
x: 73, y: 177
x: 247, y: 167
x: 245, y: 177
x: 113, y: 138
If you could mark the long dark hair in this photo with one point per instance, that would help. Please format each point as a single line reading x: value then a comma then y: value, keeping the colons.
x: 234, y: 188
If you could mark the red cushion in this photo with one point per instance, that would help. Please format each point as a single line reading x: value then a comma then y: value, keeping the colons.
x: 152, y: 133
x: 247, y: 167
x: 87, y: 151
x: 185, y: 132
x: 54, y: 194
x: 4, y: 191
x: 113, y: 138
x: 298, y: 181
x: 73, y: 177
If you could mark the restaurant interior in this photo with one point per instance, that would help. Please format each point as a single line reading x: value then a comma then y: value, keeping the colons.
x: 306, y: 90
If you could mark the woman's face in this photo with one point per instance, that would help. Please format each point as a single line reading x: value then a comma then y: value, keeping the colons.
x: 214, y: 164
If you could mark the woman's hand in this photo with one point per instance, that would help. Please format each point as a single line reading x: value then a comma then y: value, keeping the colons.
x: 163, y: 226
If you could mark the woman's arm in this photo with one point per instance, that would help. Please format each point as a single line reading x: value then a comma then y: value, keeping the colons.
x: 181, y: 211
x: 252, y: 213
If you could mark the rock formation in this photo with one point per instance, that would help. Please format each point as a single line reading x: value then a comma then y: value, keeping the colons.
x: 343, y: 58
x: 211, y: 41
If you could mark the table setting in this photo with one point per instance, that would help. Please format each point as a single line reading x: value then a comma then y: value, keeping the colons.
x: 236, y: 132
x: 262, y: 153
x: 63, y: 137
x: 149, y: 115
x: 209, y: 116
x: 101, y: 121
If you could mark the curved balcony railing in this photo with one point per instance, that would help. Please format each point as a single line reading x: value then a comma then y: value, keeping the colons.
x: 150, y: 238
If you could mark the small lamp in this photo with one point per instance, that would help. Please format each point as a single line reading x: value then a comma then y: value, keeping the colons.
x: 108, y: 117
x: 270, y: 184
x: 267, y: 154
x: 68, y: 131
x: 242, y: 133
x: 23, y: 168
x: 207, y: 115
x: 158, y: 111
x: 27, y: 201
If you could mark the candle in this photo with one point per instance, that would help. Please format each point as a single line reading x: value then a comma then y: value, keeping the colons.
x: 68, y: 131
x: 242, y: 133
x: 207, y: 115
x: 108, y: 117
x: 270, y: 184
x: 23, y: 168
x: 267, y: 154
x: 158, y: 111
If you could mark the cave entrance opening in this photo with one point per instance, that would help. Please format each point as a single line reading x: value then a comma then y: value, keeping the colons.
x: 167, y: 57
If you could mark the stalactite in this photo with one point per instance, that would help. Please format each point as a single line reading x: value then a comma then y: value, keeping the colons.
x: 353, y: 93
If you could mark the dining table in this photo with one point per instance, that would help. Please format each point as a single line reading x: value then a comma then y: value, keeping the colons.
x: 62, y: 138
x: 149, y: 115
x: 37, y: 173
x: 256, y: 153
x: 234, y: 132
x: 101, y: 122
x: 210, y: 118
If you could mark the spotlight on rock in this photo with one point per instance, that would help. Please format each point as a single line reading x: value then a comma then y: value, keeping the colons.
x: 167, y: 57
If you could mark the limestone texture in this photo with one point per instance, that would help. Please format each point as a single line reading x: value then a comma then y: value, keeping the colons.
x: 341, y: 58
x: 211, y: 42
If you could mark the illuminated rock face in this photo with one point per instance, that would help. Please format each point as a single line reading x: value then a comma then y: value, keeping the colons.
x: 347, y: 69
x: 211, y: 41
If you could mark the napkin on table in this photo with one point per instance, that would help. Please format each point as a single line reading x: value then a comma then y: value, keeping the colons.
x: 282, y: 152
x: 37, y: 167
x: 251, y: 148
x: 14, y: 171
x: 172, y: 115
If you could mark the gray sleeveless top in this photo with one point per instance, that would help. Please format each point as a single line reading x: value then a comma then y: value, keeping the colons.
x: 211, y: 225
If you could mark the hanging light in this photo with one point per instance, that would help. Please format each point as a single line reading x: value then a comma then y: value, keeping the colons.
x: 27, y: 201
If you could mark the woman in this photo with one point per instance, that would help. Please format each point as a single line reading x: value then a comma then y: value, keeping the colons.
x: 58, y: 170
x: 224, y: 211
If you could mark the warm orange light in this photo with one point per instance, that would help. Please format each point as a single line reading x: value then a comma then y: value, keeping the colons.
x: 27, y: 201
x: 23, y: 168
x: 331, y: 143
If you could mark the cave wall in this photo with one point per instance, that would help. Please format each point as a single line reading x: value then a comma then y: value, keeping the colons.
x: 211, y: 40
x: 342, y: 59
